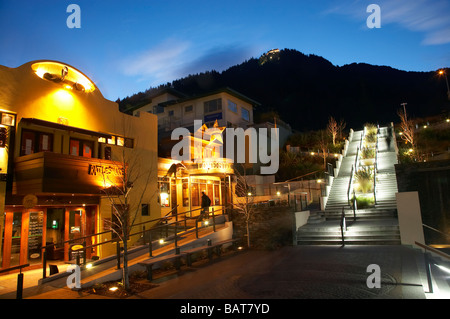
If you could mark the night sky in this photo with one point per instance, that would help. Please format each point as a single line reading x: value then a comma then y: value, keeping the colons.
x: 127, y: 46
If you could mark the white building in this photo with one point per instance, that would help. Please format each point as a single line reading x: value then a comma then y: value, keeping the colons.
x: 174, y: 109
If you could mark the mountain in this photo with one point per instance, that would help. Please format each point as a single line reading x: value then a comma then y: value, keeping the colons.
x: 306, y: 89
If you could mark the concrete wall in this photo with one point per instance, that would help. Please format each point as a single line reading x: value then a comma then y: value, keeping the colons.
x: 301, y: 218
x: 409, y: 218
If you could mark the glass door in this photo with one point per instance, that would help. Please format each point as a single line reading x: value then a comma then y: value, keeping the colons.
x: 75, y: 225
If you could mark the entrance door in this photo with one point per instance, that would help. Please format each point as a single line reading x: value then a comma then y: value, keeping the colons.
x: 55, y: 233
x: 11, y: 239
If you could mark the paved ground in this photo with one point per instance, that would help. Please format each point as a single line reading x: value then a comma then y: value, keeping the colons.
x: 280, y: 279
x: 317, y: 272
x: 299, y: 272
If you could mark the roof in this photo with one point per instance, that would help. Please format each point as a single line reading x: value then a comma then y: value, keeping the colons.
x: 64, y: 127
x: 184, y: 98
x: 222, y: 90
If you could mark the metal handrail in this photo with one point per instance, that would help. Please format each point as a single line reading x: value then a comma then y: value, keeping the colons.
x: 436, y: 230
x: 436, y: 251
x: 19, y: 289
x: 375, y: 168
x: 117, y: 240
x: 350, y: 185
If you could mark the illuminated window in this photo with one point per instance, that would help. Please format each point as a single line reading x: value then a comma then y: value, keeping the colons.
x: 112, y: 140
x: 102, y: 140
x: 81, y: 148
x: 185, y: 193
x: 120, y: 141
x: 163, y: 185
x: 34, y: 142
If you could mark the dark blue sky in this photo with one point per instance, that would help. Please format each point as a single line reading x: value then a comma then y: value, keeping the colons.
x: 127, y: 46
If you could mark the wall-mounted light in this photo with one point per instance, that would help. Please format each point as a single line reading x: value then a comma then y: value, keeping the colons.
x: 8, y: 119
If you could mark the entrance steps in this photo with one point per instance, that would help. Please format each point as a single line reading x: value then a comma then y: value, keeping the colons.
x: 361, y: 232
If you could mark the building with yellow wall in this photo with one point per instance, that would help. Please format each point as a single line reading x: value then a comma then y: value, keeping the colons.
x: 62, y: 145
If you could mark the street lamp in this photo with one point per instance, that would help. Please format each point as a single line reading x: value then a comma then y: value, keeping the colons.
x: 442, y: 72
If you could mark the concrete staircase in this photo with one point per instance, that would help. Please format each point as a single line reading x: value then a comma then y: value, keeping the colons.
x: 367, y: 232
x: 376, y: 225
x: 338, y: 198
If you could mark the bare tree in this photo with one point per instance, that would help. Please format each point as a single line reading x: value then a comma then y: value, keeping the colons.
x: 333, y: 129
x: 125, y: 192
x: 244, y: 200
x: 407, y: 128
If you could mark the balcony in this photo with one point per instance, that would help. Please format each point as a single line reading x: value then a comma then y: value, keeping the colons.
x: 48, y: 172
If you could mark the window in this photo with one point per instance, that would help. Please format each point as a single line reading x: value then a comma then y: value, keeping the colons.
x: 108, y: 155
x: 245, y: 114
x: 232, y: 106
x: 216, y: 193
x: 81, y: 148
x: 164, y: 191
x: 145, y: 210
x: 171, y: 113
x: 128, y: 142
x: 118, y: 140
x: 185, y: 193
x: 213, y: 105
x: 210, y: 187
x: 112, y: 140
x: 34, y: 142
x: 195, y: 195
x: 188, y: 109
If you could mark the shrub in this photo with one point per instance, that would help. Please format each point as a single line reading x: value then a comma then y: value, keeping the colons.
x: 367, y: 153
x: 370, y: 128
x: 364, y: 202
x: 364, y: 177
x: 371, y: 137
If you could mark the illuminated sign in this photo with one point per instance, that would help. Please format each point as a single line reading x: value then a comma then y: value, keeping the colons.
x: 223, y: 166
x: 102, y: 170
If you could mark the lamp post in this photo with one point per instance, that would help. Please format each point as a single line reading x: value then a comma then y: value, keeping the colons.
x: 442, y: 72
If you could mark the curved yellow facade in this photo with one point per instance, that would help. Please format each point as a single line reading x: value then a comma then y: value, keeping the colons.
x: 61, y: 132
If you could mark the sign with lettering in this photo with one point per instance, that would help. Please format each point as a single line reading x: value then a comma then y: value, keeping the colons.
x: 102, y: 170
x: 223, y: 166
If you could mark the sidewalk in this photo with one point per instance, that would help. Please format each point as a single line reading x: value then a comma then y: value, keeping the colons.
x: 298, y: 272
x: 33, y: 287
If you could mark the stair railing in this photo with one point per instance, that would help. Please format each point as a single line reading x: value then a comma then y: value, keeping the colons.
x: 350, y: 184
x: 375, y: 170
